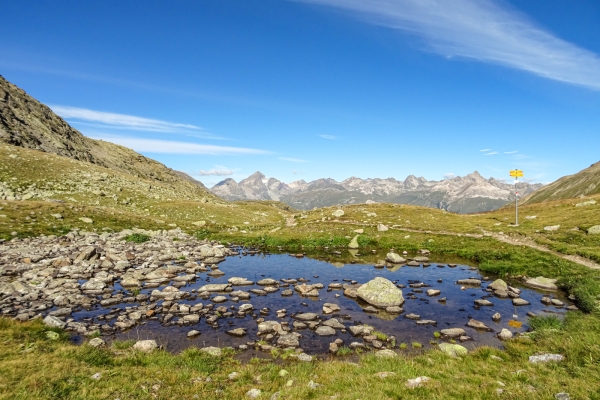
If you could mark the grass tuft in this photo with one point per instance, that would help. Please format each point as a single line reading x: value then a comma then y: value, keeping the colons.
x: 545, y: 322
x: 137, y: 238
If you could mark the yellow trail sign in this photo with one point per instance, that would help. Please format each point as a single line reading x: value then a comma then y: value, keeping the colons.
x: 516, y: 173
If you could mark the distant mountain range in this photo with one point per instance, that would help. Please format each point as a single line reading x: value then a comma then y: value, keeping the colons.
x: 468, y: 194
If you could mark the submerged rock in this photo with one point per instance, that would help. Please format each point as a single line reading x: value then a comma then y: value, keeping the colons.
x: 478, y: 325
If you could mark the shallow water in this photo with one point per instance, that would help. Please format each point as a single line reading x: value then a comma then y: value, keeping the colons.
x: 456, y: 312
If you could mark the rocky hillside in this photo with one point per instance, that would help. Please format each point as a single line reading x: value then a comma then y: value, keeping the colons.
x: 583, y: 183
x: 471, y: 193
x: 25, y: 122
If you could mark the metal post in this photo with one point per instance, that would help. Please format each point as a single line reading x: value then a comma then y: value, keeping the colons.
x: 516, y: 203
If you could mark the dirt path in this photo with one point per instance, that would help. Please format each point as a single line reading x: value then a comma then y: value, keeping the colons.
x: 506, y: 239
x: 530, y: 243
x: 516, y: 242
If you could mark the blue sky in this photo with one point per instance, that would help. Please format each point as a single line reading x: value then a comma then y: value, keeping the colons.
x: 321, y: 88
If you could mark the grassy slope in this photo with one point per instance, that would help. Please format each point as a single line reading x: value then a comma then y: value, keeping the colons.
x: 583, y: 183
x: 33, y: 367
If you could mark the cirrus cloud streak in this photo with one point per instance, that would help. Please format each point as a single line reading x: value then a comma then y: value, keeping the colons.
x: 483, y: 30
x: 176, y: 147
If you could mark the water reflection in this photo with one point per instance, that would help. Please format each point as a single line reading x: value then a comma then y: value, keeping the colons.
x: 327, y: 268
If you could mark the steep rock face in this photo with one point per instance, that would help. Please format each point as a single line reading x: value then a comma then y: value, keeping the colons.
x: 471, y: 193
x: 254, y: 187
x: 25, y: 122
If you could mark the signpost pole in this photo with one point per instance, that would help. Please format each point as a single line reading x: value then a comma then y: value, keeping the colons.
x: 516, y: 203
x: 516, y: 173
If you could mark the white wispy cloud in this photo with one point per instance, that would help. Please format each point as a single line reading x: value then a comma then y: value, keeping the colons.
x: 175, y: 147
x: 511, y: 152
x: 219, y: 170
x: 292, y: 159
x: 485, y: 150
x: 491, y: 153
x: 297, y: 172
x: 123, y: 121
x: 330, y: 137
x: 484, y: 30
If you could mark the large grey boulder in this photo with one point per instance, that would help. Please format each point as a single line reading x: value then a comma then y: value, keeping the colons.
x: 381, y: 293
x: 353, y: 243
x: 395, y: 258
x: 499, y: 284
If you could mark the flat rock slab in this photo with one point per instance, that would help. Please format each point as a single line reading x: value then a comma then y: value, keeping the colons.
x: 267, y: 282
x: 453, y: 332
x: 214, y: 287
x: 238, y: 332
x: 324, y: 330
x: 542, y: 283
x: 306, y: 316
x: 236, y: 281
x: 469, y: 282
x: 546, y: 358
x: 380, y: 292
x: 483, y: 302
x: 520, y: 302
